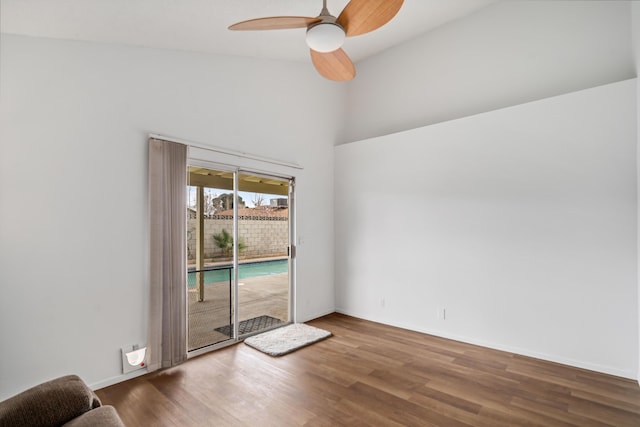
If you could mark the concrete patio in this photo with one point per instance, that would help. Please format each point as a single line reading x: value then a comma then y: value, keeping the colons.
x: 262, y: 295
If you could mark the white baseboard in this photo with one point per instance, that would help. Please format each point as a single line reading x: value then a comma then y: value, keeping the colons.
x: 117, y: 379
x: 316, y: 316
x: 516, y: 350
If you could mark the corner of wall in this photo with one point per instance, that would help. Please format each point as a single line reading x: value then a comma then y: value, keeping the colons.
x: 635, y: 42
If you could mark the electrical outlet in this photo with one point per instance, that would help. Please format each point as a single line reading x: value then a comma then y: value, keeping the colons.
x: 442, y: 313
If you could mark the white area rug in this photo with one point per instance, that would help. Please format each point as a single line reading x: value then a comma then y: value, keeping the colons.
x: 287, y: 339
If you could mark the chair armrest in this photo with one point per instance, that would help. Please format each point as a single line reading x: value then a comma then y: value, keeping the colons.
x: 52, y: 403
x: 104, y: 416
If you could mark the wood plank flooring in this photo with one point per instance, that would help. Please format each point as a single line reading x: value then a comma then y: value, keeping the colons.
x: 377, y: 375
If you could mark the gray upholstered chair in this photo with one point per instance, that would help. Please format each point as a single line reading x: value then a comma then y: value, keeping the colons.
x: 64, y: 401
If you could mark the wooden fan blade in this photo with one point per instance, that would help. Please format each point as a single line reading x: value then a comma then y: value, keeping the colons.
x: 363, y: 16
x: 334, y: 65
x: 275, y: 23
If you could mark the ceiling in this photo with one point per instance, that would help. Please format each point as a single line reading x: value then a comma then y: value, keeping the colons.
x: 201, y: 25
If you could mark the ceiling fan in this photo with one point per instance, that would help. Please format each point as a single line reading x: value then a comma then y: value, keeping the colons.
x: 326, y: 33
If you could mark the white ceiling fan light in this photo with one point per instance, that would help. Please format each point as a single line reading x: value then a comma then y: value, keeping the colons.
x: 325, y: 37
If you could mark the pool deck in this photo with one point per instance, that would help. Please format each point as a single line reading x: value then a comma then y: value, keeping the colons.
x: 261, y: 295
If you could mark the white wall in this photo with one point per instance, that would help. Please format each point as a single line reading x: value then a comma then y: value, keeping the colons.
x: 635, y: 20
x: 73, y: 120
x: 73, y: 154
x: 503, y: 55
x: 520, y: 222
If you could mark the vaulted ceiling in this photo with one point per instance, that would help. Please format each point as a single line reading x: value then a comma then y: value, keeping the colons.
x: 201, y: 25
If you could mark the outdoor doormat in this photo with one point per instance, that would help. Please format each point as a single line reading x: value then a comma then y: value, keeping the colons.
x: 250, y: 325
x: 287, y: 339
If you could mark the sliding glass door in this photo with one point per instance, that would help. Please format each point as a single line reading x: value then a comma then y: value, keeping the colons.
x: 239, y: 258
x: 210, y: 277
x: 264, y: 241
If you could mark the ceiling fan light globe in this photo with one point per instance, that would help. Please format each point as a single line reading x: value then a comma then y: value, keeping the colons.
x: 325, y: 37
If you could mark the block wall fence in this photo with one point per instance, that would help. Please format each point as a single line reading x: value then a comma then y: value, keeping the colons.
x: 263, y: 236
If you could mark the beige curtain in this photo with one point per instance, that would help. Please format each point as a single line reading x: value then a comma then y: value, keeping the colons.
x: 166, y: 343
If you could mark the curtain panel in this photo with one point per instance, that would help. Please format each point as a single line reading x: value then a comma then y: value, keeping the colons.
x: 166, y: 343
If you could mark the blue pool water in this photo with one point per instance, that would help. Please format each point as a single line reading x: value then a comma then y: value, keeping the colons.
x: 253, y: 269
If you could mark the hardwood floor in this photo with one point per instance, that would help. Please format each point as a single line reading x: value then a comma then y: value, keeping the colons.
x: 372, y: 374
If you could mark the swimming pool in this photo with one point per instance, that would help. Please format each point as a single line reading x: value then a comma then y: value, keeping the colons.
x: 253, y: 269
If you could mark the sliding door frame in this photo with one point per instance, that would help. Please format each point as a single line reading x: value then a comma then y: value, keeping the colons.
x: 291, y: 246
x: 237, y: 170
